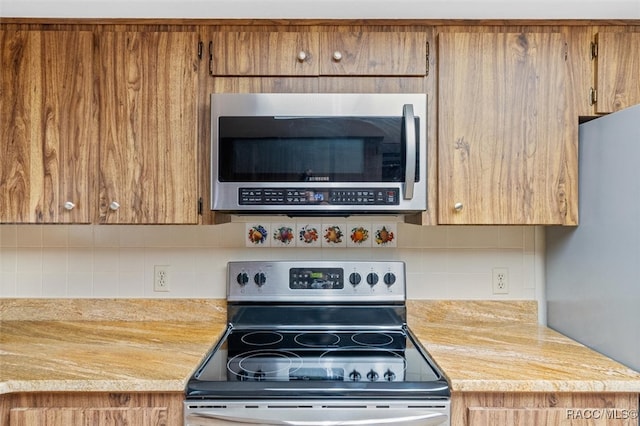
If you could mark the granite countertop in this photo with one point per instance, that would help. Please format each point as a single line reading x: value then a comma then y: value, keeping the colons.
x: 488, y: 346
x: 105, y: 345
x: 154, y: 345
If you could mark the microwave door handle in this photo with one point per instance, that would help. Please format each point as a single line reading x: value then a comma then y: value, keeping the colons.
x: 410, y: 147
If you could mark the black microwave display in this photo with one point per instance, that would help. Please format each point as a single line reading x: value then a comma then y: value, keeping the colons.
x: 312, y: 149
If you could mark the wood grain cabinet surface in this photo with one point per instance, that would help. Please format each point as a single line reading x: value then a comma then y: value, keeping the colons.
x: 543, y: 408
x: 618, y: 71
x: 102, y: 132
x: 147, y: 92
x: 373, y: 53
x: 506, y: 151
x: 46, y: 141
x: 115, y: 120
x: 92, y: 409
x: 318, y: 53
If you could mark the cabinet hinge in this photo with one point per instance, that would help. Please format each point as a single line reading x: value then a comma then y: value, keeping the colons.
x: 200, y: 47
x: 210, y: 58
x: 200, y: 203
x: 427, y: 67
x: 593, y: 96
x: 594, y: 50
x: 566, y: 52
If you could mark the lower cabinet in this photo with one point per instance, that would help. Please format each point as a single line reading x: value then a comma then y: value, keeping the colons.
x: 550, y: 409
x: 92, y: 409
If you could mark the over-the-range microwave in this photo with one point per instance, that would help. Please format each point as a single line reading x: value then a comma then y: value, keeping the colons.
x: 318, y: 154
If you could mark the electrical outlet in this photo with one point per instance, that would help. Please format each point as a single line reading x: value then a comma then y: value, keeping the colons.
x: 500, y: 281
x: 161, y: 278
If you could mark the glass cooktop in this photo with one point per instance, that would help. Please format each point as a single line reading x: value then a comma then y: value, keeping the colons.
x: 312, y: 363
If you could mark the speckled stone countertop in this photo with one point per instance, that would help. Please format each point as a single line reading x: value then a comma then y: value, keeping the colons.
x: 154, y: 345
x: 490, y: 346
x: 104, y: 345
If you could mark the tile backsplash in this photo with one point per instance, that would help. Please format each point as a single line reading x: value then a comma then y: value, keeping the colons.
x: 110, y: 261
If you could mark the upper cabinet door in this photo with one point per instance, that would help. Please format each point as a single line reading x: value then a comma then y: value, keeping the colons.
x: 45, y: 126
x: 507, y: 151
x: 264, y: 53
x: 147, y: 94
x: 618, y: 71
x: 373, y: 53
x: 318, y: 53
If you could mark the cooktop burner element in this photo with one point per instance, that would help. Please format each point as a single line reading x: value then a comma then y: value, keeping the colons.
x: 290, y: 339
x: 317, y: 340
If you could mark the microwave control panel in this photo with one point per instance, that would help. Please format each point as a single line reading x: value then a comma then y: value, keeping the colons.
x: 311, y: 196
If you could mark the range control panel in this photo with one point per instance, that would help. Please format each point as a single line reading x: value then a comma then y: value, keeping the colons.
x: 316, y: 281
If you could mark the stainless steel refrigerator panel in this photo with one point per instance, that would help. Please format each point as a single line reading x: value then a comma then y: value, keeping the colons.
x: 593, y: 271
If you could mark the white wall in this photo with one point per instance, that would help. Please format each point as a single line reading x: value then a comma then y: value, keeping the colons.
x: 108, y: 261
x: 410, y: 9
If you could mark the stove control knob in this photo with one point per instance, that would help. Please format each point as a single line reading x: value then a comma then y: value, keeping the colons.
x: 372, y: 376
x: 389, y: 278
x: 389, y: 376
x: 354, y: 376
x: 242, y: 278
x: 355, y: 278
x: 260, y: 278
x: 372, y: 279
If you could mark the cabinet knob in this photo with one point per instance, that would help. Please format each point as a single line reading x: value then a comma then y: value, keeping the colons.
x: 114, y: 205
x: 302, y: 56
x: 69, y: 205
x: 458, y: 207
x: 337, y: 56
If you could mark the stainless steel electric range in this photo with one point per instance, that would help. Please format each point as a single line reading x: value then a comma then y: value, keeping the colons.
x: 317, y: 343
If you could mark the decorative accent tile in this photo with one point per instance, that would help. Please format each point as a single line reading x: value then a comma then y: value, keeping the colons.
x: 257, y: 235
x: 385, y: 235
x: 309, y: 235
x: 360, y: 235
x: 283, y: 235
x: 334, y: 235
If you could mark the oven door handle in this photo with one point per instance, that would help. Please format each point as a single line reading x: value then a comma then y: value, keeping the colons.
x: 410, y: 144
x: 356, y: 417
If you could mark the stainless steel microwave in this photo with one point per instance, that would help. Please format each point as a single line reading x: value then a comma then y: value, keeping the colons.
x: 319, y: 154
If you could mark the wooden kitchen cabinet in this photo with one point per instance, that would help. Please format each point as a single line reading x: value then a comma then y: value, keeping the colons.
x: 92, y: 409
x: 617, y: 56
x: 47, y: 143
x: 543, y: 408
x: 147, y: 132
x: 507, y: 148
x: 318, y: 53
x: 373, y: 53
x: 88, y: 416
x: 264, y: 53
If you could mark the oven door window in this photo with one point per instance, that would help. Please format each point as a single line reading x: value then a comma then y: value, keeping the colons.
x: 312, y: 149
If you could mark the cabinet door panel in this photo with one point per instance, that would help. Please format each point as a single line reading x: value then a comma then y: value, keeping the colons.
x: 264, y: 53
x: 506, y: 151
x: 148, y: 125
x: 46, y: 132
x: 618, y: 71
x: 61, y: 416
x: 373, y: 53
x: 482, y: 416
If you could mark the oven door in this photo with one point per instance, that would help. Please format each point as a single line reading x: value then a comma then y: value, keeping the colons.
x: 318, y: 152
x: 317, y: 413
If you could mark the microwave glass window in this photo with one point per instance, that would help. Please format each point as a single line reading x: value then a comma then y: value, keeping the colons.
x: 313, y: 149
x: 303, y: 159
